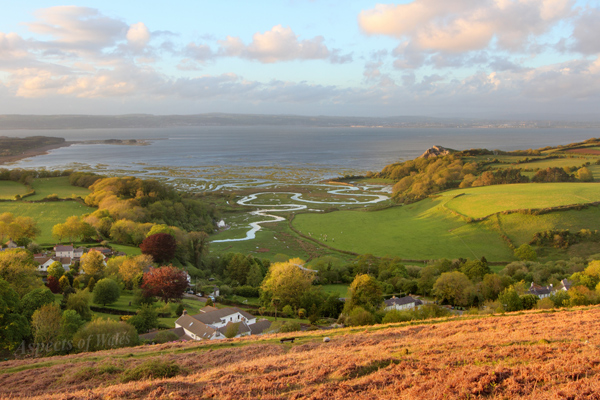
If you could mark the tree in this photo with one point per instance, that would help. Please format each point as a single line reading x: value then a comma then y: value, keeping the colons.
x: 73, y: 228
x: 91, y: 284
x: 255, y: 276
x: 92, y: 263
x: 13, y: 325
x: 209, y: 302
x: 232, y: 329
x: 70, y: 324
x: 34, y: 300
x: 53, y: 284
x: 198, y: 244
x: 146, y: 318
x: 106, y: 292
x: 287, y: 282
x: 364, y: 291
x: 160, y: 246
x: 64, y: 284
x: 427, y: 278
x: 133, y: 267
x: 80, y: 303
x: 453, y: 287
x: 238, y: 268
x: 168, y: 283
x: 46, y: 323
x: 585, y: 175
x: 19, y: 270
x: 526, y: 253
x: 17, y: 228
x: 475, y: 269
x: 56, y: 270
x: 510, y: 299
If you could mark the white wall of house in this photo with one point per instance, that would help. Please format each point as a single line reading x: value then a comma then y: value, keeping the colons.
x: 403, y: 307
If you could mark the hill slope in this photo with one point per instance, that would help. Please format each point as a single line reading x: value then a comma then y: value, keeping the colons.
x: 528, y: 355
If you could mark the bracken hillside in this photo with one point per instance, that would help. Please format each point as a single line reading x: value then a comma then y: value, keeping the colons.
x: 533, y: 355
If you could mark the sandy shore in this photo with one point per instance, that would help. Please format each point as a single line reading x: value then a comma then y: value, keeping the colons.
x: 39, y: 151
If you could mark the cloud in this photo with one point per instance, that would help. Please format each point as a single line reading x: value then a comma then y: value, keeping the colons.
x: 428, y: 27
x: 587, y: 32
x: 138, y: 35
x: 278, y: 44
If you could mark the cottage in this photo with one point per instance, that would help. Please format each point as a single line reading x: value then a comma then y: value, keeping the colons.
x: 63, y: 251
x: 212, y: 323
x: 565, y: 285
x: 402, y: 303
x: 540, y: 291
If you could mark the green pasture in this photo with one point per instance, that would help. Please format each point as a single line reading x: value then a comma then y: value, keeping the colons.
x: 46, y: 214
x: 275, y: 242
x: 340, y: 289
x: 481, y: 201
x: 60, y: 186
x: 423, y: 230
x: 9, y: 189
x: 129, y: 250
x: 576, y: 161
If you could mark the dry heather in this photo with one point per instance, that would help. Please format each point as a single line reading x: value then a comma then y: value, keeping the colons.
x: 553, y: 355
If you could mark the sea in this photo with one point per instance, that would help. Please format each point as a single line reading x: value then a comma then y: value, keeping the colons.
x: 326, y: 151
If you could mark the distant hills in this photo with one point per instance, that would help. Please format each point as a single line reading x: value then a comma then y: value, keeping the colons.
x: 8, y: 122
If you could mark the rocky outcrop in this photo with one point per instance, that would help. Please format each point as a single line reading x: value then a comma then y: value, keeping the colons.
x: 435, y: 151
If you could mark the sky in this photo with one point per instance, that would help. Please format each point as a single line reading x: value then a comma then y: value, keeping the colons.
x: 440, y: 58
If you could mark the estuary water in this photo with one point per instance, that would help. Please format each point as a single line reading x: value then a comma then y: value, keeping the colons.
x: 324, y: 151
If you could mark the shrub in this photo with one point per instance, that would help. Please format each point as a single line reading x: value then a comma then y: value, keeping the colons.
x: 145, y: 319
x: 151, y: 369
x: 359, y: 316
x: 397, y: 316
x: 106, y: 291
x: 165, y: 336
x: 102, y: 334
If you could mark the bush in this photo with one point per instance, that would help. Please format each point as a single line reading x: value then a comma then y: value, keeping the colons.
x: 359, y: 316
x: 246, y: 291
x: 145, y: 319
x: 290, y: 326
x: 397, y: 316
x: 165, y: 336
x: 151, y: 369
x: 103, y: 334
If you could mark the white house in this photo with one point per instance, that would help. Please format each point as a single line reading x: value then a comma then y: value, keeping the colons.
x: 402, y: 303
x: 47, y: 261
x: 63, y: 251
x: 540, y: 291
x: 212, y: 323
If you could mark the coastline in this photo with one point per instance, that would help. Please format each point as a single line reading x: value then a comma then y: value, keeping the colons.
x: 38, y: 151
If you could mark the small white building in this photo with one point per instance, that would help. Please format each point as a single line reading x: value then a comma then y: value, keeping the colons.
x: 402, y: 303
x: 540, y: 291
x: 211, y: 323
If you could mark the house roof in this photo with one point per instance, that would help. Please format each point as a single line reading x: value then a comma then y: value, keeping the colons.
x: 195, y: 326
x: 401, y: 301
x: 207, y: 309
x: 566, y: 284
x: 260, y: 326
x: 213, y: 317
x: 63, y: 248
x: 41, y: 260
x: 538, y: 290
x: 242, y: 328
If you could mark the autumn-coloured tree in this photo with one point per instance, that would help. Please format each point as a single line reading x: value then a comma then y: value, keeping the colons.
x: 286, y: 281
x: 160, y: 246
x: 17, y: 228
x: 132, y: 267
x: 73, y: 228
x: 19, y: 270
x: 167, y: 283
x: 365, y: 292
x: 53, y: 284
x: 92, y: 263
x: 46, y: 323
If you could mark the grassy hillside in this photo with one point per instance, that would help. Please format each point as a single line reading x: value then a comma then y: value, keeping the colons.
x: 60, y: 186
x: 422, y: 230
x: 517, y: 356
x: 46, y: 214
x: 481, y: 201
x: 9, y: 189
x: 428, y: 229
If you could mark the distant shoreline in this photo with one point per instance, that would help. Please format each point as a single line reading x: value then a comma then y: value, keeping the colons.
x: 38, y: 151
x: 41, y: 151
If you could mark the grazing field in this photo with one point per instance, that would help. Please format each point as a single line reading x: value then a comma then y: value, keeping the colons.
x: 46, y: 215
x: 482, y: 201
x: 530, y: 355
x: 9, y: 189
x: 340, y: 289
x: 59, y: 186
x: 423, y: 230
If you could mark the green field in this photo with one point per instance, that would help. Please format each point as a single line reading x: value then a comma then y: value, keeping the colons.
x: 340, y: 289
x: 423, y: 230
x: 46, y: 215
x: 9, y: 189
x: 482, y: 201
x: 60, y: 186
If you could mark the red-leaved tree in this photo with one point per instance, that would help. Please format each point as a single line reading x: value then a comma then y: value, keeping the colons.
x: 53, y: 284
x: 161, y: 246
x: 167, y: 283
